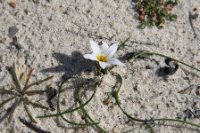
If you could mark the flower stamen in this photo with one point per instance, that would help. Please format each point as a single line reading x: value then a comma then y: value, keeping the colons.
x: 102, y: 58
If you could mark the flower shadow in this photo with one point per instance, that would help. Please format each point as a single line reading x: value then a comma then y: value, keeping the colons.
x: 71, y: 65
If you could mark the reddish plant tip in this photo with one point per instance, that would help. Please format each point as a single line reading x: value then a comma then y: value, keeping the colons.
x: 142, y: 17
x: 168, y: 7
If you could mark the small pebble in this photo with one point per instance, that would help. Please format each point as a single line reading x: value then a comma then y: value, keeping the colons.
x: 106, y: 101
x: 198, y: 91
x: 12, y: 31
x: 179, y: 116
x: 115, y: 130
x: 12, y: 4
x: 1, y: 58
x: 188, y: 113
x: 16, y: 44
x: 2, y: 40
x: 63, y: 102
x: 26, y: 11
x: 36, y: 1
x: 194, y: 13
x: 197, y: 113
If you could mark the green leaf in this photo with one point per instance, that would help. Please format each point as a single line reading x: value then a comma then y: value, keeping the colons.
x: 173, y: 17
x: 143, y: 25
x: 6, y: 101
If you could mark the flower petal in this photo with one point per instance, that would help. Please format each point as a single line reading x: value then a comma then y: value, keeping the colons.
x: 103, y: 64
x: 112, y: 50
x: 104, y: 47
x: 90, y: 56
x: 115, y: 61
x: 95, y: 47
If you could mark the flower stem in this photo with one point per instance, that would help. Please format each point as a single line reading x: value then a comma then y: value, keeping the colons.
x: 70, y: 111
x: 162, y: 55
x: 178, y: 121
x: 87, y: 115
x: 144, y: 121
x: 59, y: 112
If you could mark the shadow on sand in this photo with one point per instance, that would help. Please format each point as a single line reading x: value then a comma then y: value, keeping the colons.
x: 71, y: 65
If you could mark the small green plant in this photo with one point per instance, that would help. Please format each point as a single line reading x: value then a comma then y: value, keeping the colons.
x: 21, y: 93
x: 155, y: 12
x: 82, y: 85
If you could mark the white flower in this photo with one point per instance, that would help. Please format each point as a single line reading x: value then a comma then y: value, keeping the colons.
x: 103, y: 54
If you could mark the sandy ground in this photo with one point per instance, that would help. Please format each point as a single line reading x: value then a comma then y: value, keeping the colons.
x: 53, y: 35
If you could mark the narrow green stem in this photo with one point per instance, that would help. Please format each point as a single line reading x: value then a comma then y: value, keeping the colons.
x: 87, y: 115
x: 123, y: 43
x: 116, y: 96
x: 178, y: 121
x: 162, y: 55
x: 70, y: 111
x: 59, y: 112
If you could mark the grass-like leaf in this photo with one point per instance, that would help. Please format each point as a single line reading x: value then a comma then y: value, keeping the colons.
x: 28, y: 77
x: 12, y: 71
x: 37, y: 83
x: 88, y: 117
x: 36, y: 105
x: 6, y: 101
x: 13, y: 107
x: 35, y: 92
x: 20, y: 94
x: 10, y: 92
x: 145, y: 121
x: 59, y: 112
x: 32, y: 126
x: 146, y: 53
x: 71, y: 110
x: 10, y: 111
x: 29, y: 113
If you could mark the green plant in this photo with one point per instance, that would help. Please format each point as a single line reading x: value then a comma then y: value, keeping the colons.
x: 82, y: 85
x: 80, y: 90
x: 155, y: 12
x: 148, y: 123
x: 21, y: 93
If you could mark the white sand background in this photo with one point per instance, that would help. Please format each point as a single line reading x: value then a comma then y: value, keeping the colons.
x: 56, y: 33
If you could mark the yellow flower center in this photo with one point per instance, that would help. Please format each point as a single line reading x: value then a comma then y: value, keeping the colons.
x: 102, y: 58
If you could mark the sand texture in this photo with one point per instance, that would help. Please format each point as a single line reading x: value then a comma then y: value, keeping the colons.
x: 52, y: 37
